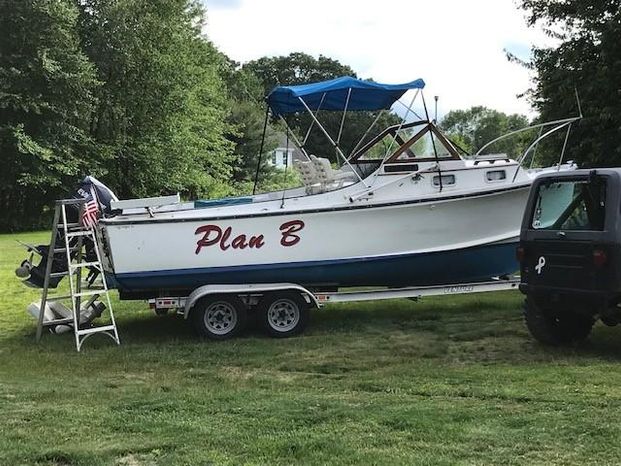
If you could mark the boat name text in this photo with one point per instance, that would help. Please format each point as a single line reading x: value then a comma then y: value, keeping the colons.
x: 214, y: 234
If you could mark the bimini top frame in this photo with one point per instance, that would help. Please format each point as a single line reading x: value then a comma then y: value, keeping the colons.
x: 340, y: 94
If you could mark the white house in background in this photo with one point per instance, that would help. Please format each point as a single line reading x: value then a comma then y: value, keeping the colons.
x: 284, y: 155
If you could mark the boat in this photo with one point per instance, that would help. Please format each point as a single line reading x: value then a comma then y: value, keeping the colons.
x: 405, y: 208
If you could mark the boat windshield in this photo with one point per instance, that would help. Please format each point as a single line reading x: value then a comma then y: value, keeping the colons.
x: 414, y: 141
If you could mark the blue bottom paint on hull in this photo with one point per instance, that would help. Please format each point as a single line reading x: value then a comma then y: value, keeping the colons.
x: 435, y: 268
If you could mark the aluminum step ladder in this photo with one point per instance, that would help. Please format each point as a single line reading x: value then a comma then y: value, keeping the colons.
x: 74, y: 235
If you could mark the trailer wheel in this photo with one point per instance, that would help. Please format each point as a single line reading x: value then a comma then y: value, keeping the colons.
x: 556, y: 327
x: 283, y: 314
x: 219, y: 317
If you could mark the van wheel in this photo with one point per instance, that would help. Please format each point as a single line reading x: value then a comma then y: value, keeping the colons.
x: 556, y: 327
x: 219, y: 317
x: 283, y: 314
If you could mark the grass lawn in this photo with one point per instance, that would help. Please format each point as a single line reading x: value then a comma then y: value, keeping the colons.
x: 450, y: 380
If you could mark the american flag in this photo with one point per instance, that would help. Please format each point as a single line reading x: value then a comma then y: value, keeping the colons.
x: 90, y: 214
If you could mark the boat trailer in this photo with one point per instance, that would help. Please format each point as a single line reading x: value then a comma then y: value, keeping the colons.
x: 214, y: 309
x: 183, y: 305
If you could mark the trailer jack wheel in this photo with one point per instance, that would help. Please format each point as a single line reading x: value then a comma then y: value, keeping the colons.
x: 283, y: 314
x: 219, y: 317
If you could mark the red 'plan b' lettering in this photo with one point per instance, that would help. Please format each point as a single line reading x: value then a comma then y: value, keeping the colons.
x: 288, y: 229
x: 214, y: 235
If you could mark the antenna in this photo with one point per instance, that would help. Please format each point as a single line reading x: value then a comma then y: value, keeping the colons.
x: 435, y: 118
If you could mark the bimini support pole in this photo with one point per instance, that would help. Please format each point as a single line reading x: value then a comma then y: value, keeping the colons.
x: 284, y: 191
x: 310, y: 127
x: 336, y: 146
x: 338, y: 137
x: 407, y: 114
x: 366, y: 133
x: 256, y: 175
x: 395, y: 135
x: 295, y: 139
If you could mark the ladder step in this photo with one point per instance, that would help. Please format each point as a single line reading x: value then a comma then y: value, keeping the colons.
x: 85, y: 264
x: 101, y: 290
x: 65, y: 250
x: 100, y: 328
x: 49, y: 323
x: 68, y: 296
x: 71, y: 234
x: 58, y: 298
x: 59, y: 274
x: 87, y: 293
x: 69, y: 225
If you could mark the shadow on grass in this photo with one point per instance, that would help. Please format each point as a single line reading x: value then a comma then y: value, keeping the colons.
x: 476, y: 330
x: 152, y: 328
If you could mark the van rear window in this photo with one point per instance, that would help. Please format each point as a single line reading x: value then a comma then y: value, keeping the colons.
x: 570, y: 205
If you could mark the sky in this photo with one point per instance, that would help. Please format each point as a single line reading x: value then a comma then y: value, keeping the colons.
x: 458, y: 47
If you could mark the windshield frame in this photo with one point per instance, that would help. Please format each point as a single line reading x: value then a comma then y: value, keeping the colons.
x: 404, y: 145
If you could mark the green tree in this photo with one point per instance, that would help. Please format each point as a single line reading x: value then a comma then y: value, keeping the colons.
x: 588, y: 59
x: 161, y: 113
x: 471, y: 129
x: 247, y: 121
x: 300, y: 68
x: 46, y: 95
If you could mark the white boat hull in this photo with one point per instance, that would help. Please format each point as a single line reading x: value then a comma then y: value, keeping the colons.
x: 450, y: 239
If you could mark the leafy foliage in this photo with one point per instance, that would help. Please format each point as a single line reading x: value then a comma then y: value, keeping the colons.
x: 588, y: 59
x: 247, y: 119
x: 46, y: 90
x: 128, y: 90
x: 473, y: 128
x: 161, y: 110
x: 132, y: 91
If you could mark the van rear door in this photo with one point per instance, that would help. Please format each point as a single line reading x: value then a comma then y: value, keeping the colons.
x: 565, y: 234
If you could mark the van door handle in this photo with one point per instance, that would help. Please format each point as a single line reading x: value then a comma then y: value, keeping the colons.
x: 561, y: 234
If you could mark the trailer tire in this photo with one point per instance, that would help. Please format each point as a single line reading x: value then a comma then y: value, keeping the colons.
x: 219, y: 317
x: 283, y: 314
x: 556, y: 327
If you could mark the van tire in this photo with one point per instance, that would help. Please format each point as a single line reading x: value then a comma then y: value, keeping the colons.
x: 556, y: 327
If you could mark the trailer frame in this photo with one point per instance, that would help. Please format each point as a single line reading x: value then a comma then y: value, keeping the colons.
x: 250, y: 293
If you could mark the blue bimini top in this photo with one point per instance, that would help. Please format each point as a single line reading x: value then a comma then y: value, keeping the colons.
x: 335, y: 95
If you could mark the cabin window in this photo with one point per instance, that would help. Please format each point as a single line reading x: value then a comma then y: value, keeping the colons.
x: 447, y: 180
x: 401, y: 168
x: 496, y: 175
x: 570, y: 205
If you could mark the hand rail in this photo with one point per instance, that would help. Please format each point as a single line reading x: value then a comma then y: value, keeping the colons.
x: 526, y: 128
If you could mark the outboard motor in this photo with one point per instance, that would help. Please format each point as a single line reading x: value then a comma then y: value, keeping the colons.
x: 89, y: 189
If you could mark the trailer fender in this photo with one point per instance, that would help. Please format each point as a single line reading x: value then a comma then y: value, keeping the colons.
x: 250, y: 288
